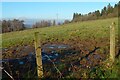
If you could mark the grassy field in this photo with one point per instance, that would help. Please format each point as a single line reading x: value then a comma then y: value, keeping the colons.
x: 84, y: 30
x: 82, y: 37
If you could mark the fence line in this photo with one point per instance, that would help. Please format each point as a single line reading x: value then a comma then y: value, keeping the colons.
x: 54, y: 66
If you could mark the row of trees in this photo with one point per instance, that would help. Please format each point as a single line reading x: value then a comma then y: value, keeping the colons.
x: 107, y: 12
x: 44, y: 23
x: 47, y: 23
x: 17, y: 25
x: 12, y: 25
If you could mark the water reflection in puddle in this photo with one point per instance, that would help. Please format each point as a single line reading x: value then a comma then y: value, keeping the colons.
x: 31, y: 56
x: 56, y: 46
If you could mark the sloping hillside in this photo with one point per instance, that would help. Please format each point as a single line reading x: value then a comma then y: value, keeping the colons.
x: 82, y: 30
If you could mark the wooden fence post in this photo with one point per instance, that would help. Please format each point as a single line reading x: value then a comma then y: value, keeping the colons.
x: 38, y: 55
x: 118, y: 34
x: 112, y: 42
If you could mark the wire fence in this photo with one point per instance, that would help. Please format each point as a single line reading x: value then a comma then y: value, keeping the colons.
x: 22, y: 65
x: 29, y: 67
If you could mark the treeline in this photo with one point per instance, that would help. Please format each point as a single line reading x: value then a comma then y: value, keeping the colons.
x: 12, y: 25
x: 18, y: 25
x: 44, y: 23
x: 107, y: 12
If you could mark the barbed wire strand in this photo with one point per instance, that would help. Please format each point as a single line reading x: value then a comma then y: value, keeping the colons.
x: 54, y: 65
x: 7, y: 73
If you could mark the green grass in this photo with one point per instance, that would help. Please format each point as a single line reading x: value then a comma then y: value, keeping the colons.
x: 83, y: 30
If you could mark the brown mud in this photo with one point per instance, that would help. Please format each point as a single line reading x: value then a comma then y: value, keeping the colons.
x: 75, y: 59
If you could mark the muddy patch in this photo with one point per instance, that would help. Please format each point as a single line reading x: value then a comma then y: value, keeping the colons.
x: 20, y: 61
